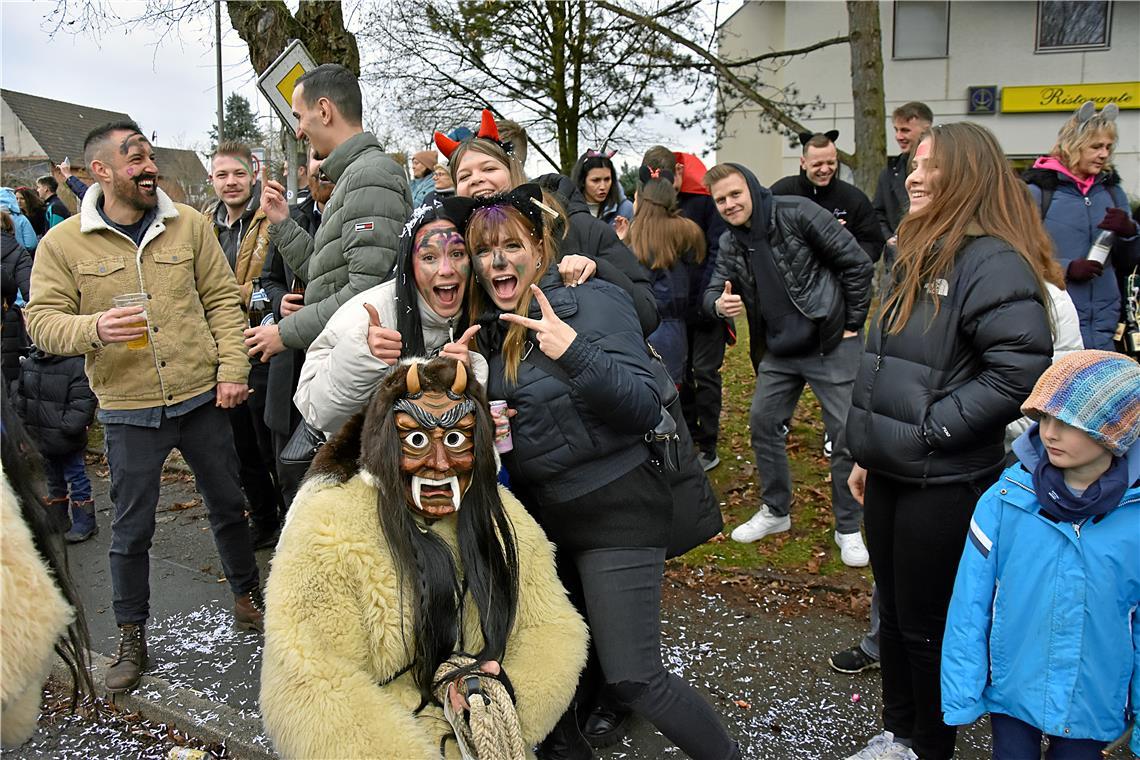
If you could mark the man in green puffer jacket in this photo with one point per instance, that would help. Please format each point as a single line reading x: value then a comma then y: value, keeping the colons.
x: 355, y: 247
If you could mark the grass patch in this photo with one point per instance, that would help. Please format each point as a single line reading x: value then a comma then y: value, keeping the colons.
x: 809, y: 545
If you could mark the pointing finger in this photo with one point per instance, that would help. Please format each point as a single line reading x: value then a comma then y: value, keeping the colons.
x: 468, y: 334
x: 373, y: 315
x: 530, y: 324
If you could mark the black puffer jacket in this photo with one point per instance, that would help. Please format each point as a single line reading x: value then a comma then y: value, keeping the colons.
x: 825, y: 271
x: 591, y: 237
x: 930, y: 405
x: 573, y: 437
x: 15, y: 275
x: 55, y: 402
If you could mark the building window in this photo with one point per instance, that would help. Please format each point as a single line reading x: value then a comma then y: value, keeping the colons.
x: 921, y: 29
x: 1067, y: 25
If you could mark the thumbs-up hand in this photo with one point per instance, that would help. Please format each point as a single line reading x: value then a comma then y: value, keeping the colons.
x: 729, y: 305
x: 383, y: 343
x: 554, y: 335
x: 459, y: 349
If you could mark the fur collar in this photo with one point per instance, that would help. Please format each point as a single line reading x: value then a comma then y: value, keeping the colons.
x: 90, y: 220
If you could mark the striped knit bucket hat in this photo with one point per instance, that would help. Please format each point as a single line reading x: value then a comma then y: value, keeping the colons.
x: 1094, y: 391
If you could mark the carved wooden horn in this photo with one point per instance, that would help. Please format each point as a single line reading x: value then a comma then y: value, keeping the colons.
x: 413, y: 379
x: 459, y: 385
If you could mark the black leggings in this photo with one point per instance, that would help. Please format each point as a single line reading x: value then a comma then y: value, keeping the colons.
x: 619, y: 593
x: 915, y: 536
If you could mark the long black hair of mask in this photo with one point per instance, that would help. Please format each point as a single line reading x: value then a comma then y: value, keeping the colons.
x: 407, y: 295
x: 425, y: 565
x: 23, y: 468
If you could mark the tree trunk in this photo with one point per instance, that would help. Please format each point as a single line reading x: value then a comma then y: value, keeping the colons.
x: 867, y: 92
x: 267, y: 26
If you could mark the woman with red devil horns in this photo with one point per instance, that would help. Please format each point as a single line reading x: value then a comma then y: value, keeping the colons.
x: 487, y: 165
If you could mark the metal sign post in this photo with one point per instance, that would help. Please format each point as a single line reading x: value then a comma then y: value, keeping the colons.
x: 276, y: 84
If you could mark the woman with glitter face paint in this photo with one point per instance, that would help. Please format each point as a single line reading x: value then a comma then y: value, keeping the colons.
x: 485, y: 165
x: 419, y: 312
x: 573, y: 365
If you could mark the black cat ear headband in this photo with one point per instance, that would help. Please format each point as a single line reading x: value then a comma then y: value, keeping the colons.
x: 526, y: 199
x: 805, y: 137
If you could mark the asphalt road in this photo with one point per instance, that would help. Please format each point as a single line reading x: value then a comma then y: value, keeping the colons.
x: 759, y: 656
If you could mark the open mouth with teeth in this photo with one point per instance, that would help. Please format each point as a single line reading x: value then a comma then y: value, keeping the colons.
x: 505, y: 285
x: 436, y: 497
x: 447, y: 295
x: 147, y: 184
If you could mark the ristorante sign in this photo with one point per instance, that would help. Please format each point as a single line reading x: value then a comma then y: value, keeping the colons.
x: 1066, y: 97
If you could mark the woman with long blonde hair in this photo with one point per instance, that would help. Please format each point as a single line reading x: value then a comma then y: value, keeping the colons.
x: 960, y: 339
x: 572, y: 364
x: 1078, y: 194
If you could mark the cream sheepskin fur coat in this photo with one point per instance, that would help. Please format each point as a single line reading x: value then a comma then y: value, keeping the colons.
x: 33, y: 616
x: 333, y: 639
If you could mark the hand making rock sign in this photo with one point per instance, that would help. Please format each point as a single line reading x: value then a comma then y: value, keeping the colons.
x: 554, y: 336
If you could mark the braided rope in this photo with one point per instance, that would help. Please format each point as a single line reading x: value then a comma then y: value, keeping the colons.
x: 492, y: 729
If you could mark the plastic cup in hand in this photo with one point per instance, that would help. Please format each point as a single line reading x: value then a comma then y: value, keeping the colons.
x: 135, y: 299
x: 503, y: 440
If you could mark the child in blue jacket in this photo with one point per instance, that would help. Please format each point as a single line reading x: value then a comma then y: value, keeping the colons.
x: 1043, y: 631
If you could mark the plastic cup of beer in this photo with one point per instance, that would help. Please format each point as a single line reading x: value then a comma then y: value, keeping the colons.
x: 135, y: 299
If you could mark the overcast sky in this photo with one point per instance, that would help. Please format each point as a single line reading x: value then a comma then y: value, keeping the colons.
x: 167, y: 85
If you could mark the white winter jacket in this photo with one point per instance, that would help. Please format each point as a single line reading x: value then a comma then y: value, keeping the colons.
x: 340, y: 373
x: 1066, y: 339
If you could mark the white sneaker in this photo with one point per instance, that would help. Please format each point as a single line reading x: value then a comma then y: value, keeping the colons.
x: 763, y: 523
x: 884, y: 747
x: 852, y: 550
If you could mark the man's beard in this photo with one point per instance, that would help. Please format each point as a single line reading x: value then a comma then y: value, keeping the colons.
x: 127, y: 191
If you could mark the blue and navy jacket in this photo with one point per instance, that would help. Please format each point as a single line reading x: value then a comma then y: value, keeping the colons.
x: 1043, y: 623
x: 1071, y: 221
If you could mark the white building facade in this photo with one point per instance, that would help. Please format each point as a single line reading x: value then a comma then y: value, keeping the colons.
x: 1019, y: 68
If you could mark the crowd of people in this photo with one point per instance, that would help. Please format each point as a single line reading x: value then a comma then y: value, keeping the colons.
x: 472, y: 414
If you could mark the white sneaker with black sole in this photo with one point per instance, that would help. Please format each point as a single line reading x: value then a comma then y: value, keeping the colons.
x: 884, y: 747
x: 852, y: 550
x: 763, y: 523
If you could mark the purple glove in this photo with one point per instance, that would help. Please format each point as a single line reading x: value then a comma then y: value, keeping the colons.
x: 1082, y: 270
x: 1116, y: 220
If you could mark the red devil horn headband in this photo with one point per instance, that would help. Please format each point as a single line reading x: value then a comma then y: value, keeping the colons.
x: 445, y: 144
x: 487, y: 129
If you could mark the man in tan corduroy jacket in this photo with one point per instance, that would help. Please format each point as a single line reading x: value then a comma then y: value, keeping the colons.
x: 170, y: 392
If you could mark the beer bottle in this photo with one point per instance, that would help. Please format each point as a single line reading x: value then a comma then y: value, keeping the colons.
x: 260, y: 308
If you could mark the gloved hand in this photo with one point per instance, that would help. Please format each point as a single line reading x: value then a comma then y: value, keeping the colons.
x: 1116, y: 220
x: 1082, y: 270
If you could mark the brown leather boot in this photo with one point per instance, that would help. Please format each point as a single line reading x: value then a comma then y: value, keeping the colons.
x: 249, y: 611
x: 127, y: 668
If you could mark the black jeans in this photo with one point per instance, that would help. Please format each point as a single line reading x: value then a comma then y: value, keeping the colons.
x: 619, y: 593
x: 136, y: 455
x: 256, y: 456
x: 702, y: 397
x: 1015, y: 739
x: 915, y: 536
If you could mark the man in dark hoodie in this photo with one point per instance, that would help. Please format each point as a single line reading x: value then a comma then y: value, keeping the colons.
x: 819, y: 180
x: 806, y: 285
x: 243, y: 232
x: 910, y: 120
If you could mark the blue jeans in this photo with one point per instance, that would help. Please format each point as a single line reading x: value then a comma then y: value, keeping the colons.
x: 66, y: 471
x: 136, y: 455
x: 1015, y: 739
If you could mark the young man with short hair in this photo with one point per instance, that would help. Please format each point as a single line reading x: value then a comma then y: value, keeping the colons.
x: 243, y: 232
x: 54, y: 209
x: 910, y: 121
x: 806, y: 286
